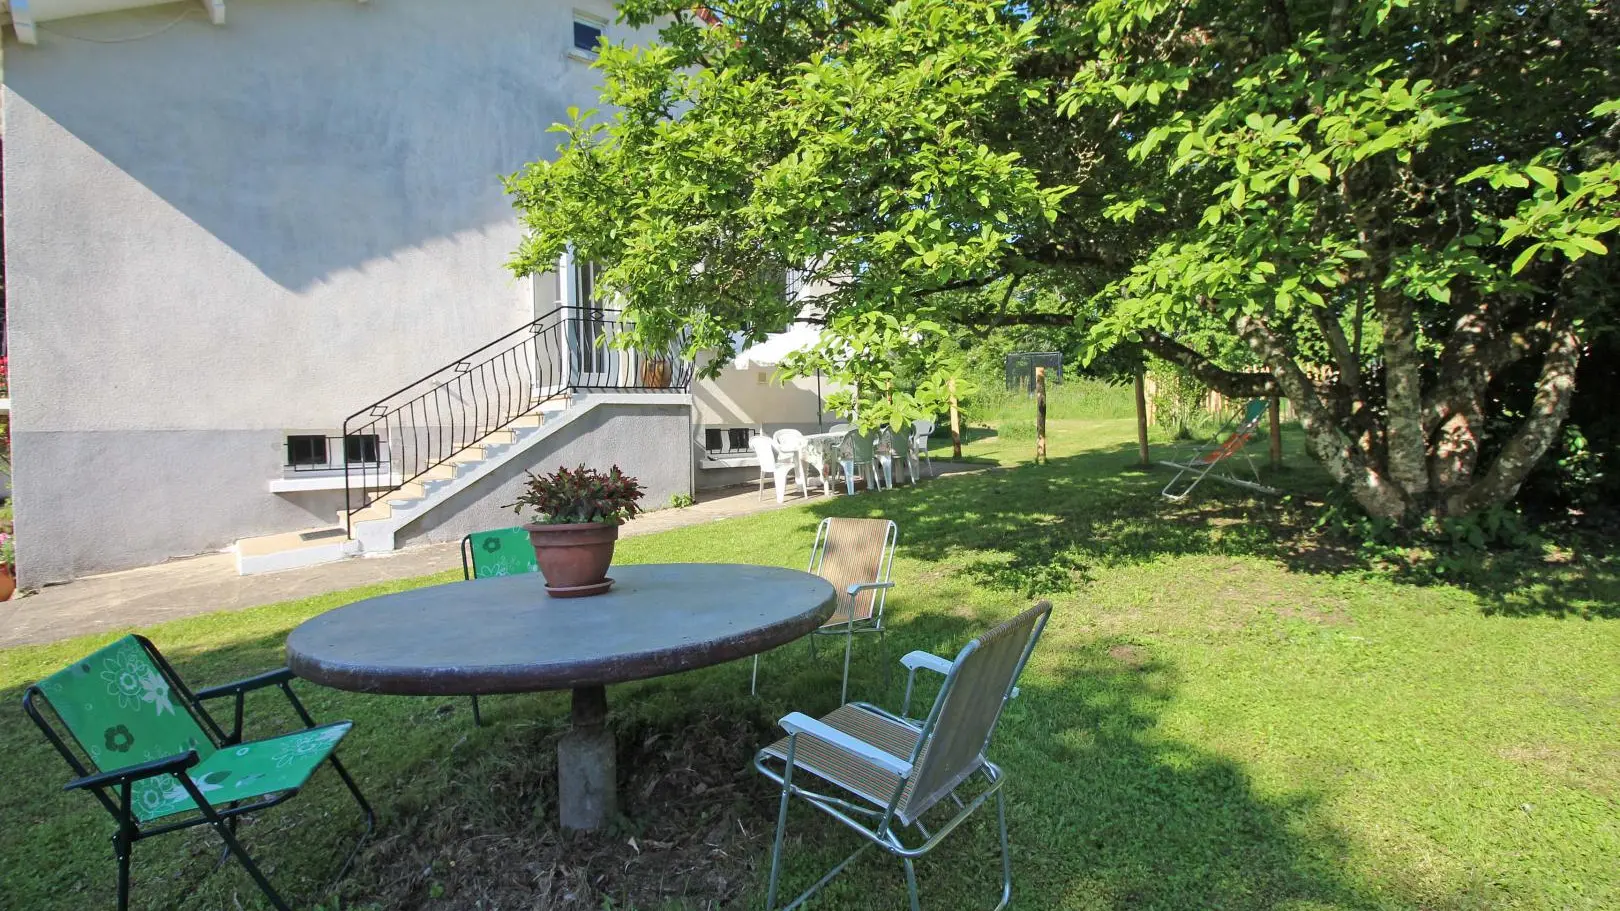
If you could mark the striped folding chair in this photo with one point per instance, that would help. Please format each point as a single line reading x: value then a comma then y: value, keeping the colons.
x: 888, y: 771
x: 856, y: 556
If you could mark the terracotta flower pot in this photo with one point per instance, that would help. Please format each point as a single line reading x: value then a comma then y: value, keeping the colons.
x: 656, y: 373
x: 574, y: 558
x: 8, y: 583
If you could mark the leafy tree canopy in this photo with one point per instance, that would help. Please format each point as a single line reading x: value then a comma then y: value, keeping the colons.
x: 1416, y: 195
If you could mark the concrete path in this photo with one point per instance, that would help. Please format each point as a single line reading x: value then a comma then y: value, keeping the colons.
x: 200, y: 585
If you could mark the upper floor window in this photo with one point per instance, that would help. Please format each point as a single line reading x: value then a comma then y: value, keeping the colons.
x: 587, y: 34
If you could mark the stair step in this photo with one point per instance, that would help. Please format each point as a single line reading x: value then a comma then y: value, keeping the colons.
x: 528, y: 420
x: 288, y: 550
x: 374, y: 511
x: 438, y: 473
x: 470, y: 454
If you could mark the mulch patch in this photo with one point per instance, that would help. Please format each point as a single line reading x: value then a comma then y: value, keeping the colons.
x: 694, y: 825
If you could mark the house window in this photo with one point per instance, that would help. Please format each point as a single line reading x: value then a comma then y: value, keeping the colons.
x: 718, y: 441
x: 587, y: 34
x: 306, y: 450
x: 361, y: 448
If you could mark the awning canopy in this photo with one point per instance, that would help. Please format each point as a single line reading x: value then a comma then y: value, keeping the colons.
x: 777, y: 347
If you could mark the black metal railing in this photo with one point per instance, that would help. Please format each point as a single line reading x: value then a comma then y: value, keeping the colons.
x: 427, y: 423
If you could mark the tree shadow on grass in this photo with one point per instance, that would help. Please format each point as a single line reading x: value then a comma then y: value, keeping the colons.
x: 1045, y: 529
x: 1105, y: 811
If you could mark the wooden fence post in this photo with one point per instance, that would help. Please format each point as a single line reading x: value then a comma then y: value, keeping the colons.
x: 1040, y: 415
x: 956, y: 421
x: 1142, y: 419
x: 1276, y: 432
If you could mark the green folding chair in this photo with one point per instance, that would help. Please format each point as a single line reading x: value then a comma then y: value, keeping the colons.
x: 502, y: 552
x: 155, y: 753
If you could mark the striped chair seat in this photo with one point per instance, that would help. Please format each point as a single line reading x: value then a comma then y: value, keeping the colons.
x: 846, y: 770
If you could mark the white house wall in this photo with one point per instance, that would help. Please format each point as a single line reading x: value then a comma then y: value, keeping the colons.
x: 217, y: 235
x: 754, y: 396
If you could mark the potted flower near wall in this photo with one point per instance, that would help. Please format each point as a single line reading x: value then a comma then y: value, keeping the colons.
x: 577, y: 514
x: 8, y: 562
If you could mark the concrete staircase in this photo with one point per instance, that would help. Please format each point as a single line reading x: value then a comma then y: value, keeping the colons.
x: 374, y: 526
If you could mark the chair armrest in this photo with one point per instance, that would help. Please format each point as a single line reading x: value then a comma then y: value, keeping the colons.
x: 179, y: 762
x: 859, y: 587
x: 248, y: 685
x: 927, y: 661
x: 800, y: 723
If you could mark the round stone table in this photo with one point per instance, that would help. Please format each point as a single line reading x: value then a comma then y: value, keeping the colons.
x: 506, y: 635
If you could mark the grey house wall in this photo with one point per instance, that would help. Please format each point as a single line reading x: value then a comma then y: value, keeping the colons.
x: 217, y: 235
x: 640, y: 439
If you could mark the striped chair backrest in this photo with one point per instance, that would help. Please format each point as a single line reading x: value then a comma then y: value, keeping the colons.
x: 967, y: 709
x: 851, y: 551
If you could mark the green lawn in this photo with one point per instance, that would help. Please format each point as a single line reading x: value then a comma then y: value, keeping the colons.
x: 1226, y: 712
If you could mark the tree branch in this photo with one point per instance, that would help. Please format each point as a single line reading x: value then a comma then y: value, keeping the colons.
x: 1554, y: 389
x: 1226, y: 382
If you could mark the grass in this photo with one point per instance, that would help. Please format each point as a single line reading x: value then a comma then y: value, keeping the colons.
x: 1228, y: 711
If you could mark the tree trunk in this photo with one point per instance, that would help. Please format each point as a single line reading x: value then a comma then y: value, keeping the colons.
x: 1274, y: 412
x: 1040, y: 415
x: 956, y: 422
x: 1403, y: 398
x: 1554, y: 390
x: 1140, y: 387
x: 1323, y: 436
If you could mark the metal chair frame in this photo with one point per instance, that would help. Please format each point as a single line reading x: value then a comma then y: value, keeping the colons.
x: 1230, y: 442
x: 883, y: 833
x: 112, y: 787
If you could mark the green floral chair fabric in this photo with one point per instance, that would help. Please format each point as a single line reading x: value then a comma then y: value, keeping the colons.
x: 502, y: 552
x: 156, y: 752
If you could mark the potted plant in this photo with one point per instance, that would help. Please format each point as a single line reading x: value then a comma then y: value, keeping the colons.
x: 657, y: 371
x: 8, y: 559
x: 577, y: 514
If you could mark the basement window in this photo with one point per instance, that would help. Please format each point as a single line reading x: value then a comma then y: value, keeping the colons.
x: 306, y: 451
x: 719, y: 441
x: 361, y: 448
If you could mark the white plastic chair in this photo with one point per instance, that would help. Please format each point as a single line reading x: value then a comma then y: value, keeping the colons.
x: 920, y: 432
x: 894, y: 445
x: 791, y: 442
x: 774, y: 465
x: 858, y: 458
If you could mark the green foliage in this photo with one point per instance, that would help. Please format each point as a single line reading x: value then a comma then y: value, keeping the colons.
x: 579, y: 495
x: 1415, y: 193
x: 1179, y: 401
x: 680, y: 500
x: 1261, y: 727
